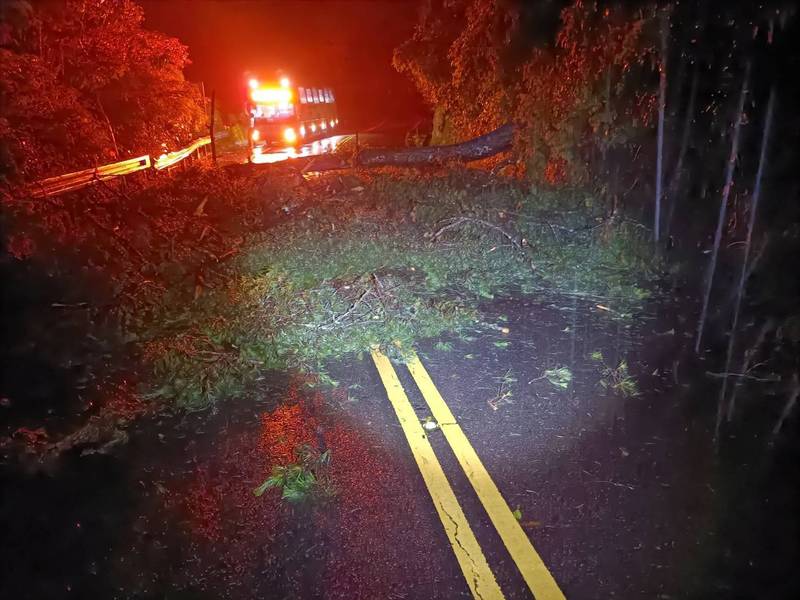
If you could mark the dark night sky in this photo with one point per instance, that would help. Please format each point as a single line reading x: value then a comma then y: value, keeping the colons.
x: 345, y: 44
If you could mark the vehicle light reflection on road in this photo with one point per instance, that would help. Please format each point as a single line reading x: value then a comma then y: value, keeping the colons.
x: 336, y: 535
x: 314, y: 148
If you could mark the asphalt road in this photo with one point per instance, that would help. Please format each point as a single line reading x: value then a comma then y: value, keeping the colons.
x: 609, y: 490
x: 613, y: 493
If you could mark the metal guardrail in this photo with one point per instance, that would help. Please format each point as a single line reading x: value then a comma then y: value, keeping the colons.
x: 81, y: 179
x: 172, y: 158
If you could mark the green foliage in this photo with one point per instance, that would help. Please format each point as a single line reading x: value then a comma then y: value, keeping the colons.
x: 619, y: 380
x: 578, y: 250
x: 457, y: 59
x: 473, y: 62
x: 302, y: 480
x: 573, y: 96
x: 569, y: 241
x: 343, y: 293
x: 319, y: 289
x: 560, y: 377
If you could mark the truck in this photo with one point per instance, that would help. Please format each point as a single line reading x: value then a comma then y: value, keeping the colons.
x: 285, y: 116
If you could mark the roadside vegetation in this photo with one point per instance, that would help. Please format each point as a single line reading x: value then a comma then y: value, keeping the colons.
x: 207, y: 278
x: 84, y: 83
x: 389, y: 258
x: 639, y: 154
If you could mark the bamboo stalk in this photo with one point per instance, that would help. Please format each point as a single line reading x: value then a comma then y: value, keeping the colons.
x: 791, y: 402
x: 677, y: 175
x: 751, y: 353
x: 723, y: 207
x: 662, y: 100
x: 740, y: 289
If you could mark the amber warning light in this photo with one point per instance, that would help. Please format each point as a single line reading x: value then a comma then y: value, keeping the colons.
x: 271, y: 95
x: 289, y: 135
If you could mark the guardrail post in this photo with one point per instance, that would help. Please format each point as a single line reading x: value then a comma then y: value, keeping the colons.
x: 211, y: 128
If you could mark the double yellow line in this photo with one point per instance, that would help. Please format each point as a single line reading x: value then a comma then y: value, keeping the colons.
x: 468, y: 552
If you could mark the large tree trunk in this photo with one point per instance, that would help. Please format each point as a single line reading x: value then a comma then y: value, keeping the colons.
x: 477, y: 148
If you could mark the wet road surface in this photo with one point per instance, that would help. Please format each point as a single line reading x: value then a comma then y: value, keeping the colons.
x: 612, y: 492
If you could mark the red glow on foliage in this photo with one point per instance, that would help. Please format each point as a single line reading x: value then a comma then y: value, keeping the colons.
x: 20, y: 246
x: 248, y: 459
x: 124, y: 403
x: 555, y: 172
x: 284, y: 430
x: 371, y: 494
x: 33, y: 438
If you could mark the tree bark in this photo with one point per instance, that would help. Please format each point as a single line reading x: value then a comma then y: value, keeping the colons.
x: 477, y: 148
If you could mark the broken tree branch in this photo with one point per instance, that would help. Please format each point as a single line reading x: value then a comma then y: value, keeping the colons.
x: 477, y: 148
x: 484, y: 146
x: 458, y: 221
x: 725, y: 375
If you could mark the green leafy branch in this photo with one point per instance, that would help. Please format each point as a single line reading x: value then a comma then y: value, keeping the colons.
x: 300, y: 481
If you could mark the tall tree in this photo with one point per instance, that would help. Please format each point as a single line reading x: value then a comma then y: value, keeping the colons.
x: 458, y: 57
x: 567, y: 91
x: 116, y: 84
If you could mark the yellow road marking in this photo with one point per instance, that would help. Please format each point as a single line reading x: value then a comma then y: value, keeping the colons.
x: 470, y: 557
x: 530, y: 564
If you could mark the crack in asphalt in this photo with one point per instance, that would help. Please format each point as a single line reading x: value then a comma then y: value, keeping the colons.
x: 460, y: 545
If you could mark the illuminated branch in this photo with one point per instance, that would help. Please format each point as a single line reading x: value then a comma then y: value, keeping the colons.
x: 477, y: 148
x: 484, y: 146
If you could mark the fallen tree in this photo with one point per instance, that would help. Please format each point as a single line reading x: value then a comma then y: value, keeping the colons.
x: 486, y: 145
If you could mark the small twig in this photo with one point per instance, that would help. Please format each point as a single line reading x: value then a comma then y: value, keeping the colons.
x: 749, y: 355
x: 791, y: 402
x: 69, y: 305
x: 608, y: 482
x: 338, y: 319
x: 457, y: 221
x: 770, y: 379
x: 635, y: 181
x: 616, y: 484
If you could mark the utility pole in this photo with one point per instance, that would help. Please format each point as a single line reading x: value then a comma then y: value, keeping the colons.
x: 211, y: 129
